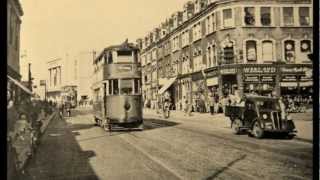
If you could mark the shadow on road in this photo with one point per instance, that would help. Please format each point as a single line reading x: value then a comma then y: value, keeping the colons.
x: 216, y: 174
x: 60, y: 156
x: 150, y: 124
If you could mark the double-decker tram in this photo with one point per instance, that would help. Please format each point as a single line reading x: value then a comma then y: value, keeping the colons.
x: 117, y: 98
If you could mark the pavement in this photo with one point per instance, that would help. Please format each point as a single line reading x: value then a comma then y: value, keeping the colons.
x: 177, y: 148
x: 303, y: 121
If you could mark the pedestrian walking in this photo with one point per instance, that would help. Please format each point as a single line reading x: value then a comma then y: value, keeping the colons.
x: 61, y: 109
x: 211, y: 103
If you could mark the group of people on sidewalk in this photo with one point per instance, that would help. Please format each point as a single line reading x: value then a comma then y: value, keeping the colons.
x: 214, y: 103
x: 24, y: 120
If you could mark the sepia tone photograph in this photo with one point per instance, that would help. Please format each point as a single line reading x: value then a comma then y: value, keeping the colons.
x: 160, y: 90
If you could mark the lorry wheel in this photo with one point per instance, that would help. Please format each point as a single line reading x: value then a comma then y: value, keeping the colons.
x: 236, y: 124
x: 257, y: 131
x: 96, y: 121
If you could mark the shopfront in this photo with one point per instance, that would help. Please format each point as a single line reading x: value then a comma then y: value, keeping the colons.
x: 229, y: 81
x: 266, y: 79
x: 259, y: 79
x: 212, y: 80
x: 296, y: 80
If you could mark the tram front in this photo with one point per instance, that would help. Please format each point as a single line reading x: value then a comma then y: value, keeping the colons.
x: 122, y: 85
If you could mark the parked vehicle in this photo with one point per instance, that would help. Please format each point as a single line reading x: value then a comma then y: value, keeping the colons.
x: 260, y: 114
x: 117, y: 94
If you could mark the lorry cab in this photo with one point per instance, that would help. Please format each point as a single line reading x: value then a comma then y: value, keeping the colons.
x: 259, y: 114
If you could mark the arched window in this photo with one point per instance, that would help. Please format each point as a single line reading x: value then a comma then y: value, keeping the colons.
x: 289, y: 51
x: 267, y: 50
x: 251, y: 51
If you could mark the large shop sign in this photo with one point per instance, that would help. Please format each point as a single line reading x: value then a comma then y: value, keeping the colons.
x: 295, y: 70
x: 226, y: 71
x: 259, y: 70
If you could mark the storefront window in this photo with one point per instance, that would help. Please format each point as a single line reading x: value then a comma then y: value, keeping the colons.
x: 249, y: 17
x: 251, y: 51
x: 289, y: 49
x: 267, y: 50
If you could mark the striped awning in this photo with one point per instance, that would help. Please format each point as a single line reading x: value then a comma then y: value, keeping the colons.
x: 19, y: 85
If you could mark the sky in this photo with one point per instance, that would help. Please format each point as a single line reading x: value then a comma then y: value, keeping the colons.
x: 53, y: 28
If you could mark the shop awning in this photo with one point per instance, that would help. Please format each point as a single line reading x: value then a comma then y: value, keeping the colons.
x: 19, y: 85
x: 166, y: 85
x: 212, y: 81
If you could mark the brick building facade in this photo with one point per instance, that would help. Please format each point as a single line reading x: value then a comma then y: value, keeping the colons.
x: 221, y: 45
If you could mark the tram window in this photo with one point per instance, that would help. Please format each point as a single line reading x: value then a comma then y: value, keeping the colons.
x: 136, y: 86
x: 110, y: 87
x: 126, y: 86
x: 110, y: 59
x: 115, y: 86
x: 124, y: 53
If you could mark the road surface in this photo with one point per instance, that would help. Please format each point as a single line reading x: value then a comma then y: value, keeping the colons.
x: 171, y: 149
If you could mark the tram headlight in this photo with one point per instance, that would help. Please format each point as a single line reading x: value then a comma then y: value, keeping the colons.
x: 127, y: 106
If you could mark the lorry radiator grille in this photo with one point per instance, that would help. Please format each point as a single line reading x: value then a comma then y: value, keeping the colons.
x: 277, y: 120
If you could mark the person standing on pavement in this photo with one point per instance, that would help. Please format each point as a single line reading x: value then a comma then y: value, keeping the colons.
x: 282, y: 108
x: 68, y: 108
x: 211, y: 102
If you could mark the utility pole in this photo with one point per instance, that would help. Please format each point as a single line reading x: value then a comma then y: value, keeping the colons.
x: 30, y: 77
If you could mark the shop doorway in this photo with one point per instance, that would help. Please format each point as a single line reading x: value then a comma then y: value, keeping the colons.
x: 229, y: 84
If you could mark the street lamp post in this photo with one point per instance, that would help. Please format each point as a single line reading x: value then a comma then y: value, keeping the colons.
x: 43, y: 83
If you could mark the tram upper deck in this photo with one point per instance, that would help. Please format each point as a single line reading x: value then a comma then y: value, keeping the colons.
x: 117, y: 62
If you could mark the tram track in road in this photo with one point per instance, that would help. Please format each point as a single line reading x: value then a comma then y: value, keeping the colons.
x: 250, y: 143
x: 221, y: 167
x: 254, y: 148
x: 239, y: 170
x: 154, y: 159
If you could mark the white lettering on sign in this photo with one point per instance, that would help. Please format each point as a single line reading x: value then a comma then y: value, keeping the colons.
x: 228, y: 71
x: 251, y: 79
x: 289, y: 78
x: 267, y: 79
x: 259, y: 70
x: 294, y: 69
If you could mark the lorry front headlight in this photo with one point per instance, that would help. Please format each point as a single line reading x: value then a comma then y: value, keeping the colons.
x: 265, y: 116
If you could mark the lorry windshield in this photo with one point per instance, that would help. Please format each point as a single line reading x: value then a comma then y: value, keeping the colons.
x: 268, y: 105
